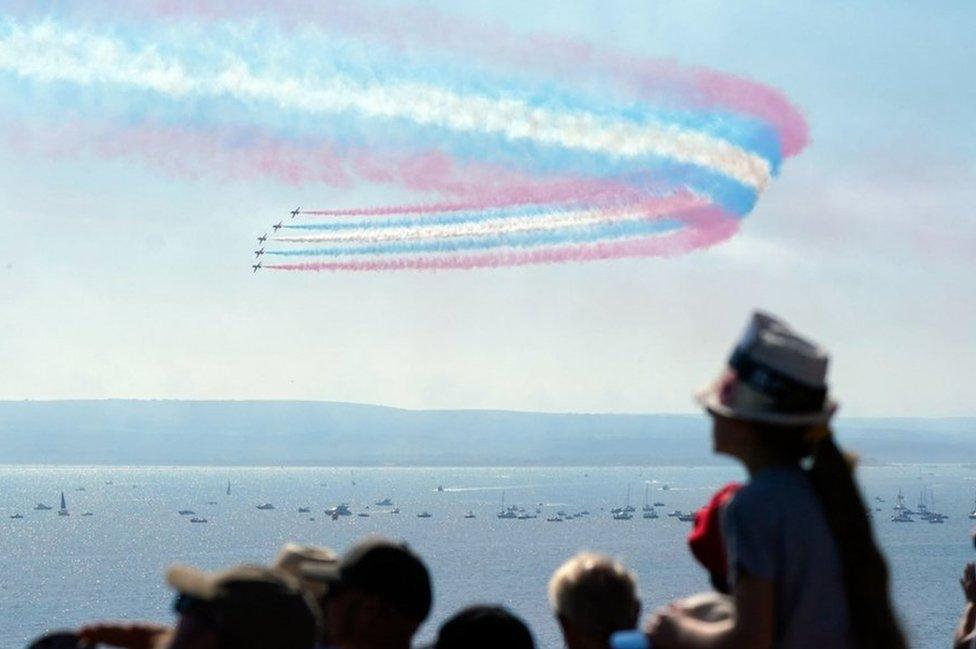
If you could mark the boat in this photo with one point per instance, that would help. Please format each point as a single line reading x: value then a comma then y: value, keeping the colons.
x: 524, y: 516
x: 628, y: 507
x: 386, y: 502
x: 211, y: 502
x: 470, y: 514
x: 186, y: 512
x: 109, y: 482
x: 900, y: 505
x: 647, y: 507
x: 937, y: 518
x: 266, y: 506
x: 396, y: 510
x: 363, y: 514
x: 675, y: 513
x: 659, y: 504
x: 87, y: 514
x: 342, y: 509
x: 304, y: 510
x: 79, y: 489
x: 424, y: 515
x: 507, y: 512
x: 665, y: 487
x: 228, y: 487
x: 622, y: 516
x: 902, y: 517
x: 554, y: 519
x: 17, y: 516
x: 687, y: 518
x: 198, y: 520
x: 651, y: 513
x: 972, y: 514
x: 41, y: 507
x: 64, y: 507
x: 440, y: 487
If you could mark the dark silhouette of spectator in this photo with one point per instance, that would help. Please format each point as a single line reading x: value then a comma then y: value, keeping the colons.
x: 593, y: 596
x: 377, y: 596
x: 484, y: 627
x: 804, y: 568
x: 247, y: 607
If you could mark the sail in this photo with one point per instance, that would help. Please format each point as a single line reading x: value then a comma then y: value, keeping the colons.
x: 63, y: 505
x: 228, y: 487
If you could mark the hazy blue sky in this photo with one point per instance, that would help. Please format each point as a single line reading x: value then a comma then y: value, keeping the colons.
x: 120, y: 281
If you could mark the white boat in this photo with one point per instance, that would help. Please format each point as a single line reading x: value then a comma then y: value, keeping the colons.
x: 647, y: 506
x: 17, y: 516
x: 266, y: 506
x: 902, y: 517
x: 424, y: 515
x: 554, y: 519
x: 687, y: 518
x: 386, y: 502
x: 396, y: 510
x: 675, y: 513
x: 198, y: 520
x: 628, y: 507
x: 972, y: 514
x: 470, y: 514
x: 64, y: 507
x: 41, y: 507
x: 622, y: 516
x: 342, y: 509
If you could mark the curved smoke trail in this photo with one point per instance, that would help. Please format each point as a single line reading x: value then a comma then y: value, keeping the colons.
x: 539, y: 150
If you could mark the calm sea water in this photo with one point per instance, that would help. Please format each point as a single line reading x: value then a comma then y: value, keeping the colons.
x: 63, y: 571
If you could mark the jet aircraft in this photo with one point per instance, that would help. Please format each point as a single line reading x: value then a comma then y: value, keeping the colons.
x: 295, y: 212
x: 258, y: 253
x: 276, y: 226
x: 262, y: 238
x: 256, y: 267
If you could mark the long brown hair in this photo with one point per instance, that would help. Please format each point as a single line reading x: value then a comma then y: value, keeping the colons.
x: 873, y: 620
x: 872, y: 617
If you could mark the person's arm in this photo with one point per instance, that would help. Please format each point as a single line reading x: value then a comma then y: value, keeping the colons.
x: 965, y: 634
x: 751, y: 628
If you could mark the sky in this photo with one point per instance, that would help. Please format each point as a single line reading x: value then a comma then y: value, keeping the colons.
x: 119, y: 280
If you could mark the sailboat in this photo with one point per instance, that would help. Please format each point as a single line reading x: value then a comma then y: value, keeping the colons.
x: 972, y: 514
x: 64, y: 507
x: 628, y: 508
x: 228, y: 487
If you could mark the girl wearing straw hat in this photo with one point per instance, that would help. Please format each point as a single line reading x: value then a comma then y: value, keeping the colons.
x: 803, y: 565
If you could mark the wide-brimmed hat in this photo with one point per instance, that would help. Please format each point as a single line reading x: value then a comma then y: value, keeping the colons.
x: 255, y: 606
x: 380, y: 567
x: 774, y: 376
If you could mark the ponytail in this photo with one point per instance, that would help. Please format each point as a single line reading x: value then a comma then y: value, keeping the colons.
x: 872, y: 618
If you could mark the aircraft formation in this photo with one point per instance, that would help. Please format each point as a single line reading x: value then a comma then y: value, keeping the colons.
x: 264, y: 237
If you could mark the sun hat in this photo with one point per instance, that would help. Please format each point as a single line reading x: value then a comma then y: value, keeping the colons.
x: 774, y: 376
x: 292, y: 558
x: 380, y: 567
x: 253, y: 606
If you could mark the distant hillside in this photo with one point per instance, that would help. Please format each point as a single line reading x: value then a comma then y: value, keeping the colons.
x: 328, y: 433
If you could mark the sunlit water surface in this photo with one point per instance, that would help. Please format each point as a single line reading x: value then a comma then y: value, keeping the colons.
x: 63, y: 571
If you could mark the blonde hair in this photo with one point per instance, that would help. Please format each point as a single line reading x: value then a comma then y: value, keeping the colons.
x: 595, y: 594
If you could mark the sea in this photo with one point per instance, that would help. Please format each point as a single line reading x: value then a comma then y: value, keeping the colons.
x: 60, y: 572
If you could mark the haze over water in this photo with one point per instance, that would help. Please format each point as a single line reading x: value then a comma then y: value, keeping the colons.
x: 61, y: 572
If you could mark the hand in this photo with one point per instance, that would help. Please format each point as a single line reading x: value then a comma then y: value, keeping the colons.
x: 664, y: 627
x: 130, y: 636
x: 968, y: 582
